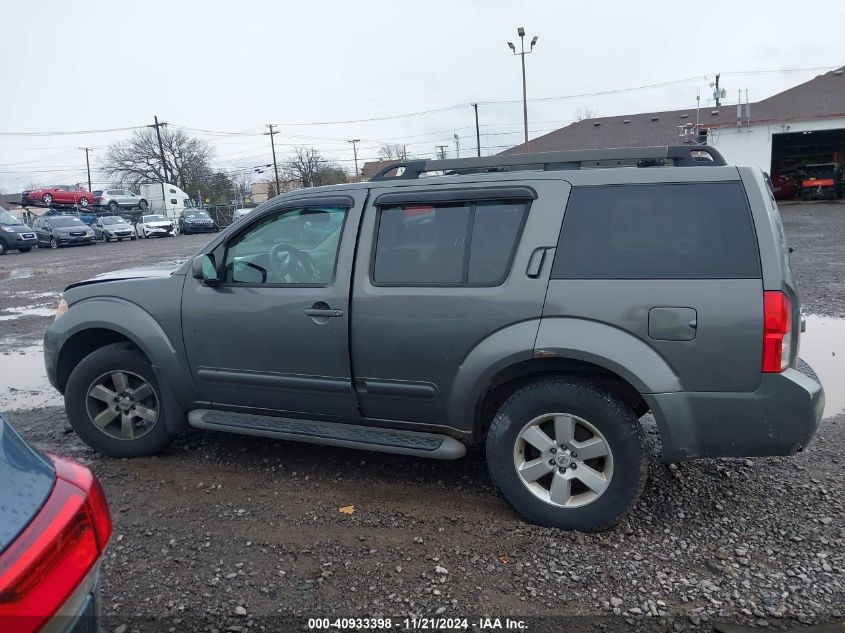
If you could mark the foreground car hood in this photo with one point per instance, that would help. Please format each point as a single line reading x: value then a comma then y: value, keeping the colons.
x: 143, y: 272
x: 18, y: 228
x: 162, y: 224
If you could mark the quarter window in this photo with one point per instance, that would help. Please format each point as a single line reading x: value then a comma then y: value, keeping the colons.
x: 290, y: 247
x: 453, y: 243
x: 657, y: 231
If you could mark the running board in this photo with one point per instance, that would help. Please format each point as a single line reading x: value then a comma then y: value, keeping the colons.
x: 431, y: 445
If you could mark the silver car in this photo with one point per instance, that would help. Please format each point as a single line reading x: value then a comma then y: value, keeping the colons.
x: 112, y: 227
x: 116, y: 199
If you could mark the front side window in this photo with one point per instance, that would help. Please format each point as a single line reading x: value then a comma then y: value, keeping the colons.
x: 7, y: 219
x: 290, y: 247
x: 453, y: 243
x: 657, y: 231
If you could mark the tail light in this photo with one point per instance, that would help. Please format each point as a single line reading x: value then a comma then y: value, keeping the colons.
x: 777, y: 331
x: 56, y: 551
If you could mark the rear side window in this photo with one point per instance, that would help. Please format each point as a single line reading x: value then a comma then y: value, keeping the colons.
x: 447, y: 244
x: 657, y: 231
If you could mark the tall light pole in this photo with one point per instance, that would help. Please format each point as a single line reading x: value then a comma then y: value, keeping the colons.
x: 87, y: 165
x: 521, y: 32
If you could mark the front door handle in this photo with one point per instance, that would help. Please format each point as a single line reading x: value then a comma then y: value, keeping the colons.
x: 322, y: 310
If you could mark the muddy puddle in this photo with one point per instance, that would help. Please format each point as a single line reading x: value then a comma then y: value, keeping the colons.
x: 10, y: 314
x: 23, y: 380
x: 823, y: 347
x: 23, y: 273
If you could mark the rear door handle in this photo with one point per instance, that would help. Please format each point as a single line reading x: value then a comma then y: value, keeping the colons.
x: 535, y: 262
x: 323, y: 312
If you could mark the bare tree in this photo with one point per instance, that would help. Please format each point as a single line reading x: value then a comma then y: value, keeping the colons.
x: 392, y: 151
x: 586, y: 113
x: 308, y: 167
x: 138, y: 160
x: 242, y: 182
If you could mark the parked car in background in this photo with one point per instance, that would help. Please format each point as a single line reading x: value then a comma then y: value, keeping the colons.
x: 239, y: 213
x: 196, y: 221
x: 87, y: 216
x: 14, y: 234
x: 532, y: 304
x: 112, y: 227
x: 62, y: 230
x: 784, y: 187
x: 115, y: 199
x: 54, y: 528
x: 154, y: 226
x: 62, y: 195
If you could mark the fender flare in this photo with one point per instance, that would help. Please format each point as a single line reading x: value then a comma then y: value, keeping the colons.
x: 134, y: 323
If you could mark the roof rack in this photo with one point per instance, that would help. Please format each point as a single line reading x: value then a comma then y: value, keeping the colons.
x: 660, y: 156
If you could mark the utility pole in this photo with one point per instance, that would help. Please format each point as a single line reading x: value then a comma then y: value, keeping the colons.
x: 163, y: 162
x: 521, y: 32
x: 355, y: 142
x: 158, y: 125
x: 477, y: 131
x: 87, y: 164
x: 275, y: 165
x: 717, y: 94
x: 441, y: 151
x: 457, y: 144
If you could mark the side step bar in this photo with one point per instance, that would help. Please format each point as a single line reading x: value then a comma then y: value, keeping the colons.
x: 368, y: 438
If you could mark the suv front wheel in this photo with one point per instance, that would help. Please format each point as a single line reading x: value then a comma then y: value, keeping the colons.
x: 567, y: 453
x: 114, y: 404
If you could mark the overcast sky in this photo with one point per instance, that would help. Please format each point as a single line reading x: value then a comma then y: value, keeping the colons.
x: 236, y: 66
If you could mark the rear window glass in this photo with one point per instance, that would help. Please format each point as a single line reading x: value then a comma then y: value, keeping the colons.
x: 663, y: 231
x: 453, y: 243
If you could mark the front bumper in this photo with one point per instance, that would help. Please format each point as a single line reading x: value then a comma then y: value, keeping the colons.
x: 119, y: 235
x: 18, y: 240
x: 67, y: 240
x: 199, y: 228
x: 780, y: 418
x: 153, y: 231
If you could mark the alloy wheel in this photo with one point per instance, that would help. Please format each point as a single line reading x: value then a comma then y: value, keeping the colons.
x: 83, y: 202
x: 563, y: 460
x: 122, y: 405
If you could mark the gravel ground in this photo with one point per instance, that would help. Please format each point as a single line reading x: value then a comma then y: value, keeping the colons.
x: 226, y: 532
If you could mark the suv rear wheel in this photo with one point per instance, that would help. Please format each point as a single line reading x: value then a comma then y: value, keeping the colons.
x: 566, y: 453
x: 114, y: 403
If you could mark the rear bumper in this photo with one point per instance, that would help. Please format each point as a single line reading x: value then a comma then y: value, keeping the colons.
x: 780, y: 418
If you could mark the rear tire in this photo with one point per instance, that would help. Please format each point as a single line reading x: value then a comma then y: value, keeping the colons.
x: 3, y: 249
x: 113, y: 206
x: 597, y: 420
x: 97, y: 374
x: 53, y: 243
x: 142, y: 205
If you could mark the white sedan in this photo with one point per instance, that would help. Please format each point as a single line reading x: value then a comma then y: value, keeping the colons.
x: 154, y: 226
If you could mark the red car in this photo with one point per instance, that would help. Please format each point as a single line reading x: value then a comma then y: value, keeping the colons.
x: 54, y: 527
x: 61, y: 194
x: 784, y: 187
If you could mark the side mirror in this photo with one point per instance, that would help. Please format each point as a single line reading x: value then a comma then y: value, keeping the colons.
x: 203, y: 268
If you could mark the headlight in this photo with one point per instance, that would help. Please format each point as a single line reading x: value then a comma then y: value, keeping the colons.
x: 61, y: 308
x: 8, y: 229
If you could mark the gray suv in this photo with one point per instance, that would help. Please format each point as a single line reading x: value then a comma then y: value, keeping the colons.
x: 538, y: 304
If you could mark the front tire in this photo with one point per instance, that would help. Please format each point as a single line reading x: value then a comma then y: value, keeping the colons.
x: 567, y: 453
x: 114, y: 403
x: 83, y: 202
x: 53, y: 243
x: 47, y: 199
x: 24, y: 249
x: 3, y: 249
x: 113, y: 206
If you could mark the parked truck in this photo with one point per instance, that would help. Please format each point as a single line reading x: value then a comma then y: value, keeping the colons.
x: 165, y: 199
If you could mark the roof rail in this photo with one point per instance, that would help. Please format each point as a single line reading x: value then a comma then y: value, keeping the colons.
x: 660, y: 156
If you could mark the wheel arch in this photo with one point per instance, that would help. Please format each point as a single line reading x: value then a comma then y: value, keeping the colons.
x: 509, y: 379
x: 83, y: 331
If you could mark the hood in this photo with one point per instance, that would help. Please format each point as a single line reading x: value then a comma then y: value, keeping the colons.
x: 159, y: 223
x: 118, y: 227
x: 17, y: 228
x: 143, y: 272
x: 70, y: 229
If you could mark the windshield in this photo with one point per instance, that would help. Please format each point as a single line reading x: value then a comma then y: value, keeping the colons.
x: 154, y: 218
x: 54, y: 222
x: 112, y: 220
x: 197, y: 214
x: 825, y: 169
x: 7, y: 219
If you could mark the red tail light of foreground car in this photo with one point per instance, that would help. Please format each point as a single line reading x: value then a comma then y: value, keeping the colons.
x: 55, y: 553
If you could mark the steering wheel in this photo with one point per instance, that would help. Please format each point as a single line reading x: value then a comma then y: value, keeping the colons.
x: 288, y: 261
